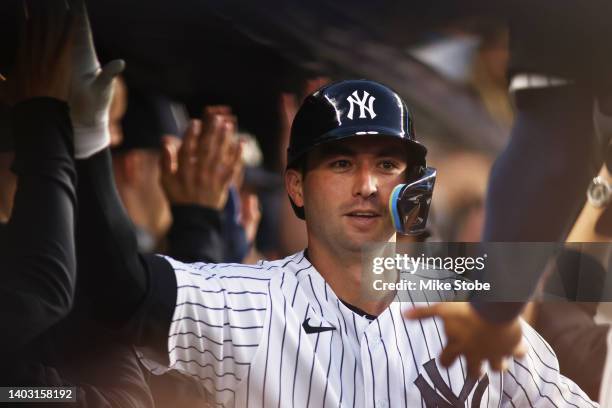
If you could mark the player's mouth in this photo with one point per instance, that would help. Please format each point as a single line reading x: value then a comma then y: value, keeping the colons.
x: 363, y: 218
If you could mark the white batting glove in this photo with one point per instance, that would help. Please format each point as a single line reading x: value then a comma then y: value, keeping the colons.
x: 91, y: 91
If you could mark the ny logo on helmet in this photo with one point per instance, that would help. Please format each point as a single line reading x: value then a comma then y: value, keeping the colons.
x: 367, y: 98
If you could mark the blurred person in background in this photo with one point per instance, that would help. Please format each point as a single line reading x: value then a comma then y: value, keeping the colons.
x: 60, y: 95
x: 196, y: 173
x: 489, y: 70
x: 578, y: 325
x: 292, y: 230
x: 117, y: 111
x: 537, y: 183
x: 206, y: 224
x: 258, y: 187
x: 459, y: 196
x: 136, y: 164
x: 37, y: 252
x: 472, y: 54
x: 470, y: 57
x: 166, y: 203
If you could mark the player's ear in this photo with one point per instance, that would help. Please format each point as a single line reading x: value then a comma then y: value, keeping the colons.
x: 294, y: 186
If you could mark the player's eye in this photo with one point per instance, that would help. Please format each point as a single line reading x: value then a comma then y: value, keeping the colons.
x: 388, y: 165
x: 341, y: 164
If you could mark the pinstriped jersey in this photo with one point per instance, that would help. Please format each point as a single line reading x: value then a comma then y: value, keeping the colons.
x: 276, y: 335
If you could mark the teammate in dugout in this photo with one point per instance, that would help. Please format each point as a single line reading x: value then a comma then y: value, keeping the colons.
x: 295, y: 332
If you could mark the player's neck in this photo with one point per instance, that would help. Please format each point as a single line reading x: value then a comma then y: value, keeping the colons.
x: 344, y: 275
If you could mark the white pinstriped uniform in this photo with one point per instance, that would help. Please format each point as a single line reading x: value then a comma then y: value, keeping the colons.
x: 239, y: 329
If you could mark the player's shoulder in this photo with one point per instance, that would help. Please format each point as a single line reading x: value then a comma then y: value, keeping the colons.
x: 535, y: 342
x: 262, y: 271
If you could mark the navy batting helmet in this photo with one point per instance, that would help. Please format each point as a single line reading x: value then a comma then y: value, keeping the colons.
x: 352, y: 108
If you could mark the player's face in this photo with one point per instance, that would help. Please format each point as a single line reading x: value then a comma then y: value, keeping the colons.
x: 346, y: 190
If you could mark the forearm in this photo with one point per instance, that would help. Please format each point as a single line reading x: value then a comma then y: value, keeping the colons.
x: 126, y: 290
x: 538, y: 182
x: 112, y: 273
x: 39, y: 270
x: 195, y: 235
x: 587, y: 227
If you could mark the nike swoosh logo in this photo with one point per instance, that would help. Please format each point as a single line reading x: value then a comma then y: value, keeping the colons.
x: 315, y: 329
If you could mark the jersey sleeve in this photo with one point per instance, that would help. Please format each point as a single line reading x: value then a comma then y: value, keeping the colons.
x: 196, y: 234
x: 37, y: 255
x: 535, y: 380
x: 217, y: 324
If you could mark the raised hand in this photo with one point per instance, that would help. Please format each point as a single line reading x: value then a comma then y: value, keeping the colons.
x: 91, y: 90
x: 43, y: 66
x: 250, y: 215
x: 470, y: 335
x: 200, y: 170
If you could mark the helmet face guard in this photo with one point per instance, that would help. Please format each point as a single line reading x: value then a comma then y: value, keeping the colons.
x: 409, y: 203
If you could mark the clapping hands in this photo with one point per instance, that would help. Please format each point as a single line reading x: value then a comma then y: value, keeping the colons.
x: 201, y: 168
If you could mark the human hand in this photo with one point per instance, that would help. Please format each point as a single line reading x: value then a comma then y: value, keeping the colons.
x: 91, y: 92
x: 201, y: 169
x: 43, y: 65
x: 470, y: 335
x: 250, y: 215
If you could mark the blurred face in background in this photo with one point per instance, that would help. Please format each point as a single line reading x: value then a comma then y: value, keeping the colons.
x: 494, y: 55
x: 137, y: 175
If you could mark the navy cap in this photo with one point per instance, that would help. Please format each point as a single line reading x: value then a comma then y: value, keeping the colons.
x: 148, y: 117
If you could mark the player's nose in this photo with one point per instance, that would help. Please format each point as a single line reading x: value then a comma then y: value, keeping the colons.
x: 365, y: 183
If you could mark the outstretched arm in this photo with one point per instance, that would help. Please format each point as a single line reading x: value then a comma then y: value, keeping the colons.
x: 474, y: 337
x: 37, y: 261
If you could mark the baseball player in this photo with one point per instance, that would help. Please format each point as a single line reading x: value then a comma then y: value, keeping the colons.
x: 295, y: 332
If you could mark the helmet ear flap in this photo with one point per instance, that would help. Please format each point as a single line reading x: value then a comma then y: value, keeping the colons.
x: 415, y: 173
